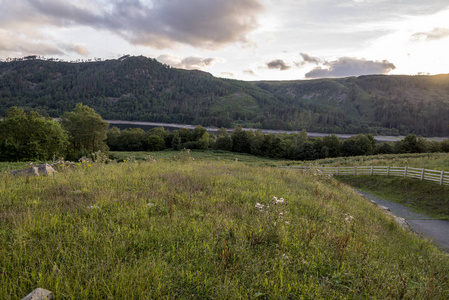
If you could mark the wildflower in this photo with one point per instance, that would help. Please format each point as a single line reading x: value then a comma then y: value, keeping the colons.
x: 224, y: 162
x: 78, y: 164
x: 278, y: 201
x: 285, y: 256
x: 349, y: 218
x: 150, y: 204
x: 124, y: 160
x: 89, y: 165
x: 259, y: 206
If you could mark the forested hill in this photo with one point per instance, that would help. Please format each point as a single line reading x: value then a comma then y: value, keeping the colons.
x: 139, y: 88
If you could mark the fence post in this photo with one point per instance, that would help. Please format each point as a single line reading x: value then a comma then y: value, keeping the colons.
x: 422, y: 174
x: 337, y: 170
x: 355, y: 171
x: 371, y: 170
x: 388, y: 171
x: 405, y: 172
x: 441, y: 178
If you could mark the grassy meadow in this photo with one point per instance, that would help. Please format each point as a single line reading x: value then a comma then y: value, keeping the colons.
x: 205, y: 229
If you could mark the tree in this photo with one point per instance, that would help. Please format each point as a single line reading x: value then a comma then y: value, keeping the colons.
x: 412, y: 144
x: 224, y: 140
x: 241, y: 140
x: 87, y: 130
x: 30, y: 136
x: 359, y: 145
x: 155, y: 143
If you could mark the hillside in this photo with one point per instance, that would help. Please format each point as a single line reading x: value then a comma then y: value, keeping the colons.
x: 139, y: 88
x: 194, y: 229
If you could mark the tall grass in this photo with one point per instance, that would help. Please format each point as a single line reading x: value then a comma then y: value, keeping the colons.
x: 190, y: 229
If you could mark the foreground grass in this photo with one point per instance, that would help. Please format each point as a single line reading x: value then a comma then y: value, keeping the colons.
x: 190, y: 229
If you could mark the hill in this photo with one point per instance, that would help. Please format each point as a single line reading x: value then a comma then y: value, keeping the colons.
x: 205, y: 229
x: 142, y: 89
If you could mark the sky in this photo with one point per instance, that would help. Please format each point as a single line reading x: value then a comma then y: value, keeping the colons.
x: 239, y: 39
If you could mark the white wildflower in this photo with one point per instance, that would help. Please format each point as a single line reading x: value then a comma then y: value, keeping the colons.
x: 93, y: 207
x: 259, y: 206
x: 277, y: 201
x: 349, y: 218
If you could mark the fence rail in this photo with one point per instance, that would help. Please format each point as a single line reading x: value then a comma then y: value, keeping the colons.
x: 439, y: 177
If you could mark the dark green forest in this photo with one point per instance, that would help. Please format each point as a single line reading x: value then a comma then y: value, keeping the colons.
x: 142, y: 89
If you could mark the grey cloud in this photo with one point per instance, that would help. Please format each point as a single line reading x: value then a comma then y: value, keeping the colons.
x: 310, y: 59
x: 191, y: 62
x: 278, y: 64
x: 349, y: 66
x: 200, y: 23
x: 435, y: 34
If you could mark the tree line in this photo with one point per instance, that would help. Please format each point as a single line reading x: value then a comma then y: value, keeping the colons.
x: 295, y: 146
x: 30, y: 136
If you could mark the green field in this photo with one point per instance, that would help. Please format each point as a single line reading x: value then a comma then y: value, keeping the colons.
x: 189, y: 228
x: 422, y: 196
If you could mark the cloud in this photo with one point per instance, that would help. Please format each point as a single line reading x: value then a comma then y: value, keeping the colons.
x: 435, y: 34
x: 11, y: 42
x: 309, y: 59
x: 349, y: 66
x: 189, y: 63
x: 81, y: 50
x: 227, y: 74
x: 158, y: 23
x: 278, y: 64
x: 249, y: 72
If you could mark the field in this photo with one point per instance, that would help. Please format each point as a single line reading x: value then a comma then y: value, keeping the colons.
x: 422, y: 196
x: 205, y: 229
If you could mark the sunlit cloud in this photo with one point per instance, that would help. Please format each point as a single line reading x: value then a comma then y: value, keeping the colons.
x: 189, y: 63
x: 435, y: 34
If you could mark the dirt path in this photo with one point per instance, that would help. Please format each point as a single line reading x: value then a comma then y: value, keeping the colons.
x: 436, y: 230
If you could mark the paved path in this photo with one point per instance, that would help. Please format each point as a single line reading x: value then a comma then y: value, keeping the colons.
x: 436, y: 230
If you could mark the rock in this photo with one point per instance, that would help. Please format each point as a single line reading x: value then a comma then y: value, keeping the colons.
x: 41, y: 169
x: 384, y: 208
x: 39, y: 294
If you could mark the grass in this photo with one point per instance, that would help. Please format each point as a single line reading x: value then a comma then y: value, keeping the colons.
x: 189, y: 229
x: 432, y: 161
x: 201, y: 155
x: 422, y: 196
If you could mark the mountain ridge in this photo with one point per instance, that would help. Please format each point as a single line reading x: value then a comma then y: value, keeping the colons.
x: 142, y: 89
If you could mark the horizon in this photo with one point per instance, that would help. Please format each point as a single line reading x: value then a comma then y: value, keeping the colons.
x: 98, y: 59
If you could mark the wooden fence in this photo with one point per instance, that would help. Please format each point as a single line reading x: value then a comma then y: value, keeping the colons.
x: 439, y: 177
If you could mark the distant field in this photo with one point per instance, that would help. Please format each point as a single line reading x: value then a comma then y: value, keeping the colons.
x: 219, y: 156
x: 197, y: 229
